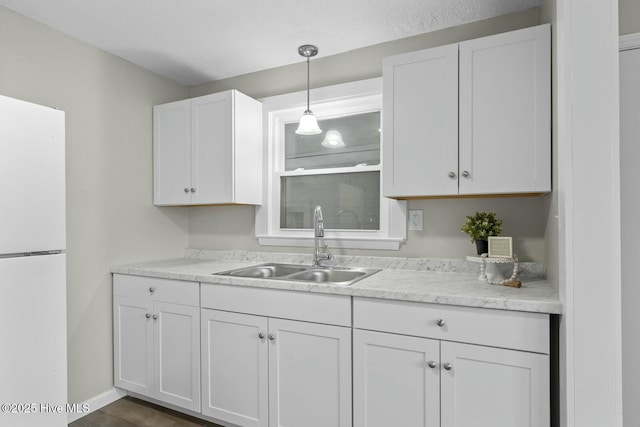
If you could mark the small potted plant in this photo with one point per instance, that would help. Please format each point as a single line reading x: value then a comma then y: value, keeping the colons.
x: 479, y: 227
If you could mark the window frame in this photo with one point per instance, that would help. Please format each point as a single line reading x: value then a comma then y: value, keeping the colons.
x: 326, y: 102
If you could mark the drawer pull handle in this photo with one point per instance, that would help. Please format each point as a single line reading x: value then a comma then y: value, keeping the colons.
x: 432, y: 364
x: 147, y: 315
x: 447, y: 366
x: 155, y: 317
x: 440, y: 322
x: 151, y: 290
x: 272, y: 337
x: 261, y: 335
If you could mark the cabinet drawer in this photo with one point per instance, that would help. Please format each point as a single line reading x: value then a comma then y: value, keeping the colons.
x: 166, y: 290
x: 310, y: 307
x: 497, y: 328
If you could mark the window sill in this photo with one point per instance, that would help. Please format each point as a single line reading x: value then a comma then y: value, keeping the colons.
x: 338, y: 243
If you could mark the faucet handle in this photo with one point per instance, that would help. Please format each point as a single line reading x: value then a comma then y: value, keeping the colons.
x: 327, y: 254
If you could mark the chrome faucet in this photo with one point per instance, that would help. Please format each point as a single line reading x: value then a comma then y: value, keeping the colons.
x: 318, y: 227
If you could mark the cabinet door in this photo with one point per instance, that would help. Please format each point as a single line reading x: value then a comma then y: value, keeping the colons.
x: 235, y: 368
x: 505, y: 120
x: 309, y: 374
x: 393, y: 382
x: 212, y: 156
x: 176, y: 356
x: 172, y: 153
x: 420, y: 147
x: 133, y: 344
x: 493, y: 386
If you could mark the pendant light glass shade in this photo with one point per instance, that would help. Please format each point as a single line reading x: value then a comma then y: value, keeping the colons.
x: 308, y: 122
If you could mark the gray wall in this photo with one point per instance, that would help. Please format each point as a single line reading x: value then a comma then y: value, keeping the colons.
x: 629, y: 16
x: 524, y: 218
x: 110, y: 215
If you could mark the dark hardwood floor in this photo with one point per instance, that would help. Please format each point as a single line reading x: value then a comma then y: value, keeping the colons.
x: 131, y: 412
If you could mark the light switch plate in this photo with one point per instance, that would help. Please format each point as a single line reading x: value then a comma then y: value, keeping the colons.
x: 415, y: 219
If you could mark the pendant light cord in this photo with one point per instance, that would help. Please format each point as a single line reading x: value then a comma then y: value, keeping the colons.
x: 308, y: 79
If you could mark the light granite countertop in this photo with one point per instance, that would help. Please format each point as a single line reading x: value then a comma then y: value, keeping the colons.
x: 428, y: 280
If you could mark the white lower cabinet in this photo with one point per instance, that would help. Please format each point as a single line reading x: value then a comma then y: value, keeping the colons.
x: 493, y: 386
x: 421, y: 381
x: 157, y: 339
x: 264, y: 371
x: 309, y: 374
x: 277, y: 358
x: 392, y: 382
x: 235, y: 368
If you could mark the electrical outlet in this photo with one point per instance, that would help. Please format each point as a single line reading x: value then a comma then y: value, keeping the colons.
x: 415, y: 220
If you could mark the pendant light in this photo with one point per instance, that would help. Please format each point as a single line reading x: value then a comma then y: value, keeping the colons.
x: 308, y: 122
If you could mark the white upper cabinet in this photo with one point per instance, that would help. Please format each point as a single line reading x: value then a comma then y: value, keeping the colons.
x: 172, y: 153
x: 420, y: 105
x: 208, y: 150
x: 505, y: 113
x: 470, y: 118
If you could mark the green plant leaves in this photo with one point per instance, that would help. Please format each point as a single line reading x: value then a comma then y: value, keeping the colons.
x: 482, y: 225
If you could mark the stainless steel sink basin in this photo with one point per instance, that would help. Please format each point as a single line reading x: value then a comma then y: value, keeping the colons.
x: 328, y: 276
x: 265, y: 271
x: 302, y: 273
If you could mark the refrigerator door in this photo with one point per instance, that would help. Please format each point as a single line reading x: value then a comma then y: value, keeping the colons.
x: 32, y: 177
x: 33, y: 349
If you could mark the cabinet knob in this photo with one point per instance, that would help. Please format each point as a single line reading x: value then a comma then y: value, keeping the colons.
x: 186, y: 190
x: 272, y: 337
x: 440, y: 322
x: 432, y: 364
x: 452, y: 174
x: 151, y: 289
x: 155, y: 316
x: 193, y: 190
x: 147, y: 315
x: 466, y: 174
x: 447, y: 366
x: 261, y: 335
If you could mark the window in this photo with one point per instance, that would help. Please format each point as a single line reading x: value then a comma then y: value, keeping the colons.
x: 338, y: 169
x: 350, y: 199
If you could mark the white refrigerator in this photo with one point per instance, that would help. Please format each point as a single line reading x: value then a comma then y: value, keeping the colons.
x: 33, y: 339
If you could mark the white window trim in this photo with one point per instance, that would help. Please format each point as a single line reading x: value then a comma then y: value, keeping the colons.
x: 355, y: 97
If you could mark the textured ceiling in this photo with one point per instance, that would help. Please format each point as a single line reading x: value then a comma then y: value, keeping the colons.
x: 198, y: 41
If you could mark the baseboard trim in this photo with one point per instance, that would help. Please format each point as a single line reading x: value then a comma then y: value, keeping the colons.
x: 95, y: 403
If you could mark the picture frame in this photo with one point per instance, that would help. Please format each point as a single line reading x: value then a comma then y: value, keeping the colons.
x: 500, y: 247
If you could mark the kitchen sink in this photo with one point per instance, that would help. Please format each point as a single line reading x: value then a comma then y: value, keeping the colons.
x: 302, y: 273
